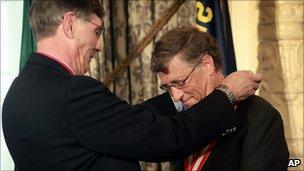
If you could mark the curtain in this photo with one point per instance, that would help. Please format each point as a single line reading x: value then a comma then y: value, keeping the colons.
x: 28, y: 43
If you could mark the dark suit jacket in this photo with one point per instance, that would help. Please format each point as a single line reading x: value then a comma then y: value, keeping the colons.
x: 258, y: 145
x: 55, y: 121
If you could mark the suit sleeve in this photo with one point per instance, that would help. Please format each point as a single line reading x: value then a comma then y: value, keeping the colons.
x: 161, y: 104
x: 264, y: 147
x: 108, y: 125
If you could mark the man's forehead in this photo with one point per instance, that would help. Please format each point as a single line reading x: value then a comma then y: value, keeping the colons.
x: 176, y: 70
x: 176, y: 65
x: 96, y: 19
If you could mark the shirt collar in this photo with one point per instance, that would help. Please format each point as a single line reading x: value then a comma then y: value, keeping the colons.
x: 60, y: 61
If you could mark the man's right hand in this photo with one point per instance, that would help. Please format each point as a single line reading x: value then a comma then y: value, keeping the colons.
x: 243, y: 83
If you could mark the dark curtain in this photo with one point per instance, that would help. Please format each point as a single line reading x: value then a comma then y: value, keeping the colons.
x: 213, y: 17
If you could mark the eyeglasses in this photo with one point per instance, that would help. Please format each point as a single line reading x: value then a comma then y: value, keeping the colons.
x: 100, y: 29
x: 179, y: 84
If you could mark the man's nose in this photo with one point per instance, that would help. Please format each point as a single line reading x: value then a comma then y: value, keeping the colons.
x: 99, y: 44
x: 177, y: 94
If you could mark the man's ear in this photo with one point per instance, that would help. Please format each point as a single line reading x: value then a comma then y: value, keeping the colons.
x: 208, y: 64
x: 68, y: 24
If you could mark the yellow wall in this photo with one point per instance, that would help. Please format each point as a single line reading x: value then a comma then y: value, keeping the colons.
x: 244, y: 19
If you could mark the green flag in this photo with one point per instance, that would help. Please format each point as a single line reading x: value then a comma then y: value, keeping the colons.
x: 28, y: 43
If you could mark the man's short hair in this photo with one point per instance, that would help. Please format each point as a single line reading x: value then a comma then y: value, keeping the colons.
x: 46, y: 15
x: 189, y: 43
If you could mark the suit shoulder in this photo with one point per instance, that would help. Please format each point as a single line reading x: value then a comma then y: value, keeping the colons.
x: 84, y: 85
x: 85, y: 82
x: 258, y: 108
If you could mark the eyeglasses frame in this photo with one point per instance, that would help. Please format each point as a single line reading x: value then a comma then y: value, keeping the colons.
x: 100, y: 28
x: 178, y: 84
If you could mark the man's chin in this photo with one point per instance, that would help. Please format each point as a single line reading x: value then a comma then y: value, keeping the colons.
x: 86, y: 68
x: 187, y: 106
x: 85, y: 71
x: 190, y: 103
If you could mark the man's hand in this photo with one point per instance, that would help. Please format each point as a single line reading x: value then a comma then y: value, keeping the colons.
x: 243, y: 83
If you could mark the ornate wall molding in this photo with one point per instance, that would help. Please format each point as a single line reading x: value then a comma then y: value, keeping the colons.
x: 280, y: 55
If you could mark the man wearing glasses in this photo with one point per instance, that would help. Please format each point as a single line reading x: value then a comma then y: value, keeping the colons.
x: 188, y: 63
x: 56, y: 119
